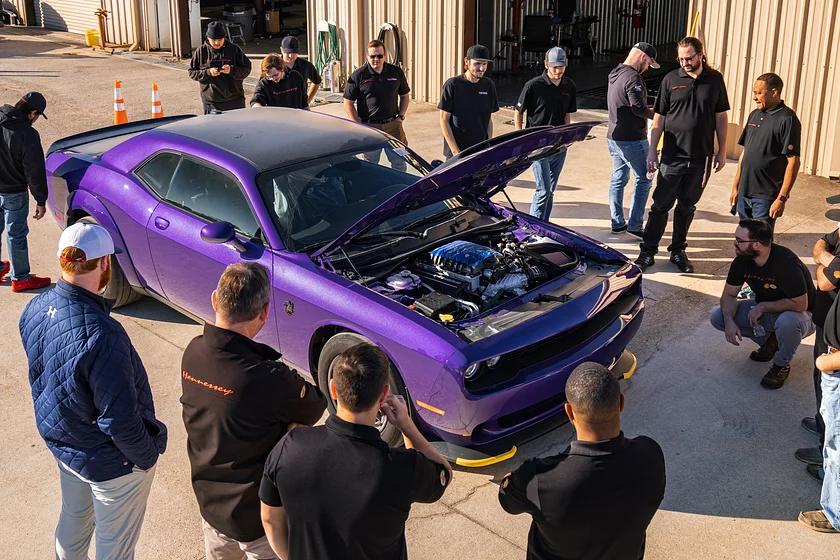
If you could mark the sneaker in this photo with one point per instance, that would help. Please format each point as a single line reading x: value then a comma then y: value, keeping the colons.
x: 619, y: 229
x: 33, y: 283
x: 810, y: 424
x: 4, y: 270
x: 644, y: 261
x: 767, y: 350
x: 680, y: 259
x: 810, y: 455
x: 640, y: 233
x: 815, y: 472
x: 775, y: 376
x: 817, y: 521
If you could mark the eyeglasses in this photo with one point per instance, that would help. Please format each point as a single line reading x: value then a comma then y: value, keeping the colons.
x: 376, y: 56
x: 687, y: 59
x: 739, y: 241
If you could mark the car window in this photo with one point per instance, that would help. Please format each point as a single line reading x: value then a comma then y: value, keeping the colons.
x: 157, y: 172
x: 212, y: 194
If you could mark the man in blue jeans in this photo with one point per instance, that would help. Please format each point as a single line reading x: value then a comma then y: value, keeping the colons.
x: 21, y: 169
x: 627, y: 137
x: 549, y: 99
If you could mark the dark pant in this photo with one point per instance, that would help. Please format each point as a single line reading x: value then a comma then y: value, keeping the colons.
x: 227, y: 106
x: 820, y: 348
x: 755, y: 208
x: 680, y: 182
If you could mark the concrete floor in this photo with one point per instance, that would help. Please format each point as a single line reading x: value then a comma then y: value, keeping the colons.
x: 734, y: 487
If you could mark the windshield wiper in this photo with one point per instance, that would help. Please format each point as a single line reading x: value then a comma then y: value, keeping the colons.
x: 381, y: 234
x: 440, y: 214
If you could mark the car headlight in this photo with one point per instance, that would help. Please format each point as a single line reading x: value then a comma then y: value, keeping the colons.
x: 472, y: 370
x: 494, y: 361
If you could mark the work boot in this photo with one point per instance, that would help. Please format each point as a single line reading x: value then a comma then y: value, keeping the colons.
x: 680, y: 259
x: 619, y: 229
x: 815, y: 472
x: 4, y: 270
x: 817, y: 521
x: 32, y: 283
x: 810, y: 455
x: 767, y: 350
x: 644, y: 261
x: 640, y: 233
x: 810, y: 424
x: 775, y: 376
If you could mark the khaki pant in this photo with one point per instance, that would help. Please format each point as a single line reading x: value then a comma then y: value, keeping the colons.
x: 394, y: 128
x: 221, y: 547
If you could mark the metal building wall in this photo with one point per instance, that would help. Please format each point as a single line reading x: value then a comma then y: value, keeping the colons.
x: 76, y: 16
x: 119, y: 27
x: 431, y: 33
x: 797, y: 39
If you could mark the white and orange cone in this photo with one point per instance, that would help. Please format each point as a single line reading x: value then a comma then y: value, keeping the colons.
x: 157, y: 108
x: 120, y: 116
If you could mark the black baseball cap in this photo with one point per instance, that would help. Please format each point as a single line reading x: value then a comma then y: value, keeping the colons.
x: 648, y: 49
x: 216, y: 30
x: 479, y: 53
x: 290, y: 44
x: 36, y: 101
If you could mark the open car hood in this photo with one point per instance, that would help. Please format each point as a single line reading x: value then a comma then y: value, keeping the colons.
x: 481, y: 170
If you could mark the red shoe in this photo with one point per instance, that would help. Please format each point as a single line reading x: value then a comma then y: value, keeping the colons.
x: 33, y: 283
x: 4, y: 270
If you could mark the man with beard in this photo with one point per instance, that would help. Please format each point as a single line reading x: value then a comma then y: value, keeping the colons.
x: 780, y: 315
x: 290, y: 49
x: 279, y: 86
x: 466, y: 104
x: 220, y: 67
x: 93, y: 403
x: 689, y: 111
x: 548, y: 100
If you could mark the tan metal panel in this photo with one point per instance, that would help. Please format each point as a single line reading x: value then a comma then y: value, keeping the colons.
x: 119, y: 27
x: 76, y: 16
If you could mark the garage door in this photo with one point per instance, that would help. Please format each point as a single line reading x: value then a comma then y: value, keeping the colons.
x: 76, y: 16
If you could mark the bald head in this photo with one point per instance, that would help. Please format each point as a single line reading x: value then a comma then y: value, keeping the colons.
x: 594, y: 394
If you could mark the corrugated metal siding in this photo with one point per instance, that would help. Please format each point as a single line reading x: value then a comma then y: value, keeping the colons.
x: 76, y: 16
x: 19, y: 9
x: 38, y: 20
x: 431, y: 32
x: 119, y: 27
x: 799, y: 41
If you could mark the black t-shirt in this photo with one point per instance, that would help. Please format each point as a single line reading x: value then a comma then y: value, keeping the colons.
x: 782, y: 276
x: 307, y: 70
x: 627, y: 103
x: 689, y: 107
x: 470, y: 105
x: 238, y: 401
x: 345, y: 492
x: 591, y: 502
x: 823, y: 300
x: 377, y: 94
x: 545, y: 103
x: 769, y: 138
x: 289, y: 92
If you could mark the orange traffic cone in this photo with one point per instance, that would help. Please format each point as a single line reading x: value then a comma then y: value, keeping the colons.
x: 120, y: 116
x: 157, y: 108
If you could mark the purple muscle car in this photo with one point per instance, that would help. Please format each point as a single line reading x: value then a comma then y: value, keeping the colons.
x: 483, y: 311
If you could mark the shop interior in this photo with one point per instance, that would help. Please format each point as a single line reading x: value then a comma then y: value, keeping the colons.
x: 258, y: 26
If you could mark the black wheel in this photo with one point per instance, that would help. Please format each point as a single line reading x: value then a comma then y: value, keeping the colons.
x: 335, y: 346
x: 118, y: 289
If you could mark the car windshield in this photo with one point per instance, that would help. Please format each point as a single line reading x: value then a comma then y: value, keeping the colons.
x: 314, y: 202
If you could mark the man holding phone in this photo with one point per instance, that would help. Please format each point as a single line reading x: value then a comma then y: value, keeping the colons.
x: 220, y: 67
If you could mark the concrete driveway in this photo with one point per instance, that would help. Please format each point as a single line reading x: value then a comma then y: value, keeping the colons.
x: 734, y: 487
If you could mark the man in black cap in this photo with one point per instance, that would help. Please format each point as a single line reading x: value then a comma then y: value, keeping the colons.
x: 466, y: 104
x: 21, y: 168
x: 627, y: 136
x: 769, y: 162
x: 690, y: 111
x: 548, y: 100
x: 220, y: 67
x: 290, y: 47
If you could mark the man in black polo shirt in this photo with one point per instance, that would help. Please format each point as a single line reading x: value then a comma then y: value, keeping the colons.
x: 549, y: 100
x: 780, y: 315
x: 466, y: 104
x: 279, y: 86
x: 338, y: 490
x: 238, y: 402
x: 596, y: 499
x: 769, y: 162
x: 689, y: 110
x: 290, y: 49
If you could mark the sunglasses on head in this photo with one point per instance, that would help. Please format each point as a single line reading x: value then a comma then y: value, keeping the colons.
x: 376, y: 56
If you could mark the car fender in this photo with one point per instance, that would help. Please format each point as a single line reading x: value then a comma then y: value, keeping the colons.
x: 83, y: 201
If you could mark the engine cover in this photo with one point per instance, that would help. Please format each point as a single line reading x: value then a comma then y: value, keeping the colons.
x: 465, y: 257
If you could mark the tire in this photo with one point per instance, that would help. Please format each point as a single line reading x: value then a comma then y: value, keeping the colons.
x: 118, y: 289
x: 335, y: 346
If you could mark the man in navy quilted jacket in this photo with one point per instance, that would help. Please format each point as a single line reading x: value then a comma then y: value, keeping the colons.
x: 93, y: 403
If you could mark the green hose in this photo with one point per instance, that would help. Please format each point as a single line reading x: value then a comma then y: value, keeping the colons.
x: 324, y: 55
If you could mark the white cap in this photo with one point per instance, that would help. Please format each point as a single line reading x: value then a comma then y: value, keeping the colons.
x: 92, y: 239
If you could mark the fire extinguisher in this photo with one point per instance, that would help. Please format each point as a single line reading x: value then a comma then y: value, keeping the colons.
x: 639, y: 13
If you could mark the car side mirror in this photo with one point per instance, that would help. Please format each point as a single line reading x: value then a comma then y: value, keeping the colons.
x: 436, y: 163
x: 222, y: 232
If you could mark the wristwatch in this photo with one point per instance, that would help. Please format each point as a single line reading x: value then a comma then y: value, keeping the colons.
x: 783, y: 198
x: 401, y: 117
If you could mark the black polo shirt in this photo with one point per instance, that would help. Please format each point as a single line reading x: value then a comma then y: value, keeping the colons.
x: 307, y: 70
x: 769, y: 138
x: 345, y: 492
x: 238, y: 401
x: 289, y: 92
x: 689, y: 107
x: 471, y: 105
x: 545, y: 103
x: 823, y: 300
x: 593, y: 501
x: 784, y: 275
x: 376, y: 94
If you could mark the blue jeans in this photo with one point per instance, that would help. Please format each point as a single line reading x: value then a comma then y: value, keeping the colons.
x: 15, y: 209
x: 755, y: 208
x: 546, y: 172
x: 627, y: 155
x: 830, y: 410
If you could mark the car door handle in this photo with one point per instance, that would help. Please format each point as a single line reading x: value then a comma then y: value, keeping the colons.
x: 161, y: 223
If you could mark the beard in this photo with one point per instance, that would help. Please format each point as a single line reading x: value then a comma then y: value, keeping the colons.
x: 749, y: 253
x: 106, y: 275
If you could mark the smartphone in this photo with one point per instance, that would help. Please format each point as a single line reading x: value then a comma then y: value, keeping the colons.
x: 734, y: 209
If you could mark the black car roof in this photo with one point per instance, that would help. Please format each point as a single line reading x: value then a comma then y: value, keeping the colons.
x: 271, y: 136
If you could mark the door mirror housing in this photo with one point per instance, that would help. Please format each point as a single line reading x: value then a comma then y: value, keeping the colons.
x: 222, y: 232
x: 436, y: 163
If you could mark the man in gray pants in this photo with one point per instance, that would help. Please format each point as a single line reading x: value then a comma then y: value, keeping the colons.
x: 780, y: 315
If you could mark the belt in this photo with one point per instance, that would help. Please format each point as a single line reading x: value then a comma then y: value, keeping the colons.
x: 385, y: 121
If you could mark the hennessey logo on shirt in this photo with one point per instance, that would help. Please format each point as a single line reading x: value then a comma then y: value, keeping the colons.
x: 218, y: 388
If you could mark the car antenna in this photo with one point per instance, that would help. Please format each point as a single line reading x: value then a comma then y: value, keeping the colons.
x: 346, y: 256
